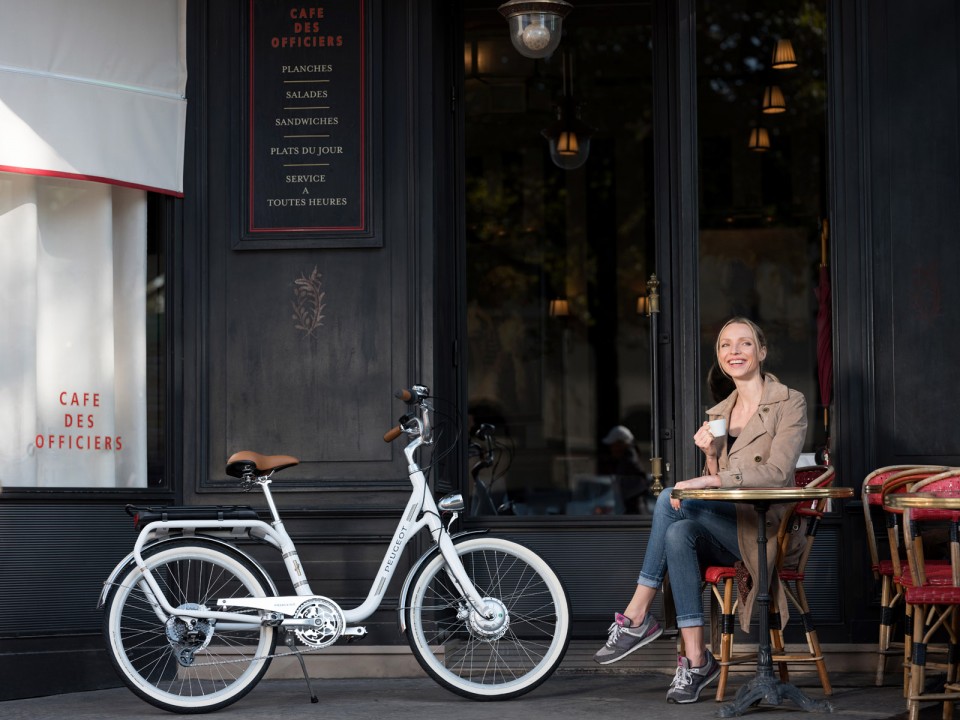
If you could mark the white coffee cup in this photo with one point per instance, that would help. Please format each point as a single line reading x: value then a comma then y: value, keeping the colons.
x: 718, y: 427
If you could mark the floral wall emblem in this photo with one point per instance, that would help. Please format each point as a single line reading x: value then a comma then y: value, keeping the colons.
x: 308, y: 306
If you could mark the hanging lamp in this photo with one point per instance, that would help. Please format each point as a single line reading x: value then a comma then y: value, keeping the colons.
x: 568, y: 137
x: 535, y: 25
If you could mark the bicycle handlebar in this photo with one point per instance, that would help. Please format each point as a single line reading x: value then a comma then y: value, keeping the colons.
x: 393, y: 433
x: 415, y: 395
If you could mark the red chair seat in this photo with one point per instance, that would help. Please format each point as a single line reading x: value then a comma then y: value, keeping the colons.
x: 718, y: 573
x: 936, y: 575
x: 885, y: 567
x: 933, y: 595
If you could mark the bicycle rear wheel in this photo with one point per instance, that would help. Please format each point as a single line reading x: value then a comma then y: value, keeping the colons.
x: 511, y: 647
x: 171, y: 665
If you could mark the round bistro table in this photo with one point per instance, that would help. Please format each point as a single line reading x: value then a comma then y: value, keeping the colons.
x: 764, y: 685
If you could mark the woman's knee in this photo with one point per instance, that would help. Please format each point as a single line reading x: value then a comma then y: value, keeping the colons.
x: 682, y: 533
x: 664, y: 511
x: 663, y: 502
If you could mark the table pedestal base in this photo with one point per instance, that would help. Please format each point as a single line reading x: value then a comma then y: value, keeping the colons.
x: 774, y: 692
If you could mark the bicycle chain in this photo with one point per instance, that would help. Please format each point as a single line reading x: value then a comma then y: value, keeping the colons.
x: 257, y: 658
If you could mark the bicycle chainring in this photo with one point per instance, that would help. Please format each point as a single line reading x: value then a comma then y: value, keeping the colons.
x: 328, y: 619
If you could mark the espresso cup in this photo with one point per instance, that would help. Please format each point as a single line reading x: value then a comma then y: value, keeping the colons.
x: 718, y: 427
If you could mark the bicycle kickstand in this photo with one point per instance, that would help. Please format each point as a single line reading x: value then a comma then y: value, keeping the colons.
x: 291, y: 643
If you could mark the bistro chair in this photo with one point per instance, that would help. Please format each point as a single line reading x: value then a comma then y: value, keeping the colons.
x: 881, y: 563
x: 723, y: 580
x: 935, y: 604
x: 895, y: 572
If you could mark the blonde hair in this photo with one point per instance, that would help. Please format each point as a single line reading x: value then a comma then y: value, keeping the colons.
x: 758, y: 336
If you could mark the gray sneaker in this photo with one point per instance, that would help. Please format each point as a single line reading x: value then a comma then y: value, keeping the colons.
x: 689, y: 681
x: 624, y: 638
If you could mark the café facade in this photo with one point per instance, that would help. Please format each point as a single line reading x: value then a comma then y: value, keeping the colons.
x: 243, y: 224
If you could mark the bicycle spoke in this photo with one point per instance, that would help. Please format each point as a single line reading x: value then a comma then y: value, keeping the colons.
x: 506, y: 652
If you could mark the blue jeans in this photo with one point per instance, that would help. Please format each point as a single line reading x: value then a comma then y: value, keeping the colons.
x: 700, y: 533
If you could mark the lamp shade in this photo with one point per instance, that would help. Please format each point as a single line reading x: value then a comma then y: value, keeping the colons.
x: 773, y: 100
x: 568, y: 137
x: 784, y: 57
x: 559, y: 307
x: 759, y: 139
x: 535, y: 25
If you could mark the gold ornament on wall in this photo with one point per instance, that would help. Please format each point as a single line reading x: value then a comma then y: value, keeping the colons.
x: 309, y: 304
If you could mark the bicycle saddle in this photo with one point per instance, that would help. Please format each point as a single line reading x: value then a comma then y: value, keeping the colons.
x: 247, y: 461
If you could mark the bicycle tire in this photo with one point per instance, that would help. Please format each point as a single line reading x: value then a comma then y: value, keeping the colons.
x: 498, y: 659
x: 143, y: 648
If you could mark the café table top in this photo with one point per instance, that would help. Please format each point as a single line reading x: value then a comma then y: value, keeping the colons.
x: 774, y: 494
x: 923, y: 500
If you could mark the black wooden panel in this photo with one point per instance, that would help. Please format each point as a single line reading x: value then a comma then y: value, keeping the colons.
x: 38, y: 666
x: 599, y: 569
x: 55, y: 559
x: 298, y: 350
x: 324, y: 396
x: 915, y: 218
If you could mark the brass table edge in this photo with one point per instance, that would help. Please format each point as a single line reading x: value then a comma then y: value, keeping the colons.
x: 923, y: 500
x: 771, y: 493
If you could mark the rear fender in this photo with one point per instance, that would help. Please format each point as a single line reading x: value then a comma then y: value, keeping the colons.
x: 128, y: 561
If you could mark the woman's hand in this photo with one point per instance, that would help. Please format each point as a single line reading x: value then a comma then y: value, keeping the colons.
x: 697, y: 483
x: 705, y: 440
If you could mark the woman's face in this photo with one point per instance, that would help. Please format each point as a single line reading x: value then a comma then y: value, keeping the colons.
x: 738, y: 353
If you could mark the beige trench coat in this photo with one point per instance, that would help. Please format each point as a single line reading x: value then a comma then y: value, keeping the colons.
x: 763, y: 455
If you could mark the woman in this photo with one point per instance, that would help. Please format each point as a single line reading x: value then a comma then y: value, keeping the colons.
x: 767, y: 424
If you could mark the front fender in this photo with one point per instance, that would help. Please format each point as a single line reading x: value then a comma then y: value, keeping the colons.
x: 128, y: 561
x: 416, y: 568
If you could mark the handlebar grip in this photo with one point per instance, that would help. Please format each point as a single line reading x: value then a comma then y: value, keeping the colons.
x: 393, y: 433
x: 404, y: 394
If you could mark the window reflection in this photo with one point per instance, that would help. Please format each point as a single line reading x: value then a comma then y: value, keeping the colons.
x: 558, y: 255
x: 762, y: 173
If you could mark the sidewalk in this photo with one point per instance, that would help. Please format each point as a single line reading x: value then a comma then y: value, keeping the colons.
x: 565, y: 696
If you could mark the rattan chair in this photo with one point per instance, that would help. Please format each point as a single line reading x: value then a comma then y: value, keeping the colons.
x: 894, y: 571
x: 881, y: 563
x: 936, y: 604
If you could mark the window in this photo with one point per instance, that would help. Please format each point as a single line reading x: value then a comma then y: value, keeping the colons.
x: 763, y: 164
x: 558, y: 256
x: 82, y: 372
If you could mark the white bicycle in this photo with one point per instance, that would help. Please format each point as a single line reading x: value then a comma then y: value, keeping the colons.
x: 192, y: 621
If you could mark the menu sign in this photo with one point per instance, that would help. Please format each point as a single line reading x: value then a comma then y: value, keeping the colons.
x: 308, y: 130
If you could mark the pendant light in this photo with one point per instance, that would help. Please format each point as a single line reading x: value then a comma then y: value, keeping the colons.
x: 568, y: 137
x: 535, y: 25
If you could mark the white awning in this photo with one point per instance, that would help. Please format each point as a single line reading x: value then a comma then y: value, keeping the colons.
x: 94, y: 90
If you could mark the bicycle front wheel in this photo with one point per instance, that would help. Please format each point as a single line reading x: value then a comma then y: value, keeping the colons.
x: 509, y: 648
x: 168, y: 662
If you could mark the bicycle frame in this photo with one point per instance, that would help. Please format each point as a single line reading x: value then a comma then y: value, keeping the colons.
x: 420, y: 512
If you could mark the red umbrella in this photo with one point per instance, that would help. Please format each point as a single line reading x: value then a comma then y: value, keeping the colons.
x: 824, y: 333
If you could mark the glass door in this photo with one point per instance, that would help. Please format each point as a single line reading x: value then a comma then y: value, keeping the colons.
x: 763, y: 234
x: 559, y: 251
